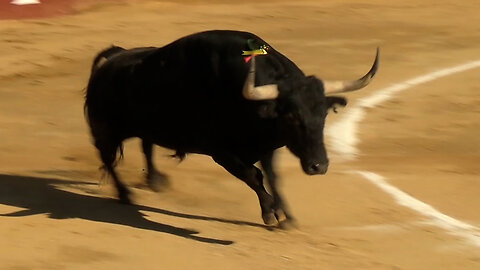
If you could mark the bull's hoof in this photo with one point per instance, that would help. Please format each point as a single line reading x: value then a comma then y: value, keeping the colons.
x: 280, y: 215
x: 158, y: 182
x: 279, y: 218
x: 269, y: 219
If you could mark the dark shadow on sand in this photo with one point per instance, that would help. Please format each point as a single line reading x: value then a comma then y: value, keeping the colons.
x: 40, y: 196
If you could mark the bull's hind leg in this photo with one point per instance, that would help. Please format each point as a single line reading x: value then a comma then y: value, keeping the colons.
x: 156, y: 180
x: 108, y: 154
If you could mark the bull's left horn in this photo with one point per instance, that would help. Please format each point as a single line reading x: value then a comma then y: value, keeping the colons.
x: 269, y: 91
x: 335, y: 87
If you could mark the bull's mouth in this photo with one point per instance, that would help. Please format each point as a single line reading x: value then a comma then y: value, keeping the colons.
x: 314, y: 168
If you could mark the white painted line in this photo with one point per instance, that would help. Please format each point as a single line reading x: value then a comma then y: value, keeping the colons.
x: 344, y: 139
x: 453, y: 226
x: 25, y: 2
x: 344, y: 133
x: 376, y: 228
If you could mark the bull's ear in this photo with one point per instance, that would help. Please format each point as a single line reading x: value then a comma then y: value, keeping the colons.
x: 267, y: 110
x: 334, y: 101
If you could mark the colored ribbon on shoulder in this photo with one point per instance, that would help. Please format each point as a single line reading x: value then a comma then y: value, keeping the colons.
x: 262, y: 50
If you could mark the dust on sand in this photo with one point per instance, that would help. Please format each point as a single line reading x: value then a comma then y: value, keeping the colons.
x: 425, y: 141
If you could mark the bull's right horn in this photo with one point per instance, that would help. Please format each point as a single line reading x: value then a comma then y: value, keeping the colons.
x: 335, y: 87
x: 269, y: 91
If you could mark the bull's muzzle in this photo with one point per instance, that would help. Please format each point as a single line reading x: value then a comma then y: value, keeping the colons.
x: 316, y: 168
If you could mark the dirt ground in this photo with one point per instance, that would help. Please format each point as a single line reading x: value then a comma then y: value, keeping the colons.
x: 425, y: 141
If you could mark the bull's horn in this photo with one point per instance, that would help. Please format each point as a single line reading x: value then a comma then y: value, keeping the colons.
x: 269, y: 91
x: 335, y: 87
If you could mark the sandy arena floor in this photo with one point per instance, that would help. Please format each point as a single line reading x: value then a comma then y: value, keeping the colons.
x: 425, y: 141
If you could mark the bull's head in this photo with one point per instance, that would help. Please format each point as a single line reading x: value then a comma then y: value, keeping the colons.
x: 302, y: 112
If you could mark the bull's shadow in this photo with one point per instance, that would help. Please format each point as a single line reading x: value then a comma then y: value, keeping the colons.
x: 39, y: 196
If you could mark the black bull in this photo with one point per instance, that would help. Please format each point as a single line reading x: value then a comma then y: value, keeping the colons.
x: 199, y: 94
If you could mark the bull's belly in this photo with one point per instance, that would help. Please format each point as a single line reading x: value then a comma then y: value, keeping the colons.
x: 187, y: 136
x: 174, y: 138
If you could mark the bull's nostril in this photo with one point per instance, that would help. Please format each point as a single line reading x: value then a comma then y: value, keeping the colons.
x: 315, y: 167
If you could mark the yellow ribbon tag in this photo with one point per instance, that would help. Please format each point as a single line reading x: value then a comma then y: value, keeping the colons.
x: 255, y: 52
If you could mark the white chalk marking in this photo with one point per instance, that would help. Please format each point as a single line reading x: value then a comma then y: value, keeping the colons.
x: 344, y: 141
x: 377, y: 228
x: 344, y: 133
x: 25, y: 2
x: 453, y: 226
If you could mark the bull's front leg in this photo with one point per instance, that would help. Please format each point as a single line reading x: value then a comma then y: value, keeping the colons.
x: 253, y: 177
x: 279, y: 205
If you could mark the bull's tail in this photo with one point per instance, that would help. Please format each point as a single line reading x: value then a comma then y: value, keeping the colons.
x: 118, y: 157
x: 98, y: 131
x: 104, y: 55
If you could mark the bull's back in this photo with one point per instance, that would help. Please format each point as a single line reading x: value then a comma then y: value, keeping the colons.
x: 184, y: 94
